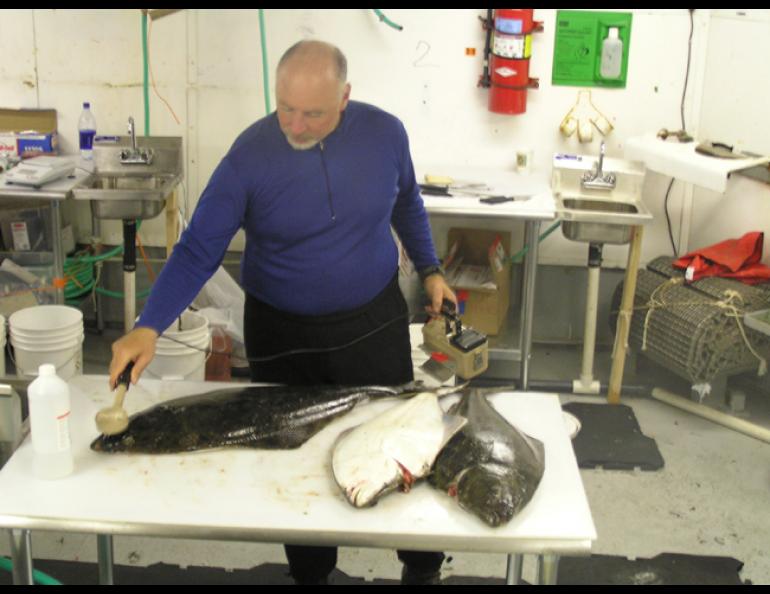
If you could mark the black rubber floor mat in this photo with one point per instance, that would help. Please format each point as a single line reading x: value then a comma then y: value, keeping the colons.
x: 665, y: 569
x: 610, y: 437
x: 596, y: 569
x: 79, y: 573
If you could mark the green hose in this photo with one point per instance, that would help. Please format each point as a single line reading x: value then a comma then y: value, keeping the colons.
x: 386, y: 20
x: 116, y: 251
x: 38, y: 576
x: 79, y: 272
x: 80, y: 280
x: 523, y: 251
x: 265, y: 72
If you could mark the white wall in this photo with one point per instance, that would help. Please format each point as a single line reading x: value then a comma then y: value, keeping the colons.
x: 736, y: 96
x: 207, y: 64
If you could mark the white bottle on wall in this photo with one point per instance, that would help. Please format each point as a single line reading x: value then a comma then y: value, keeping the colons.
x: 49, y: 411
x: 612, y: 55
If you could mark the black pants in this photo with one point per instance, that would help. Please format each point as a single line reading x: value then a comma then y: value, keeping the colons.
x: 384, y: 358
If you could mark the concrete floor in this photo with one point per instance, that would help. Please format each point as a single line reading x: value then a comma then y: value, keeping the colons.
x: 711, y: 498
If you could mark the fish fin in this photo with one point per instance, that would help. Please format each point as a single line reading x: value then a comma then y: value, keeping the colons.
x: 448, y: 390
x: 407, y: 478
x: 453, y: 423
x: 417, y: 386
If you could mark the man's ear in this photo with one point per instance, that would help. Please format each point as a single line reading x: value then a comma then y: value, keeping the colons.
x: 345, y: 97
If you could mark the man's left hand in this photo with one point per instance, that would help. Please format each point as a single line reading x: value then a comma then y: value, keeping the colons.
x: 437, y: 290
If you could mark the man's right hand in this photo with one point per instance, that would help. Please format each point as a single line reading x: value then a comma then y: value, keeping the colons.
x: 137, y: 346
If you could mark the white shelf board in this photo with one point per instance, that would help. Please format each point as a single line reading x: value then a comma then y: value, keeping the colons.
x: 679, y: 160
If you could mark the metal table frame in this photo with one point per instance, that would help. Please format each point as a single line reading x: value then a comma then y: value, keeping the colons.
x: 53, y: 193
x: 538, y: 207
x: 21, y: 556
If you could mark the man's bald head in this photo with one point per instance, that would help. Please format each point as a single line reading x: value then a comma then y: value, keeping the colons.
x: 311, y: 92
x: 313, y: 53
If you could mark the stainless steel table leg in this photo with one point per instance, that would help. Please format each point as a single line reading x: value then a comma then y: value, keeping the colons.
x: 547, y: 569
x: 106, y: 558
x: 56, y: 246
x: 513, y: 571
x: 96, y: 227
x: 531, y: 231
x: 21, y: 556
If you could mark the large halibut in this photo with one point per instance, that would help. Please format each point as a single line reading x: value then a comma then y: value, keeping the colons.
x: 490, y: 466
x: 392, y: 450
x: 265, y: 417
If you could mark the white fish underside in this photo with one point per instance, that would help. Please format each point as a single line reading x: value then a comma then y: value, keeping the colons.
x: 392, y: 450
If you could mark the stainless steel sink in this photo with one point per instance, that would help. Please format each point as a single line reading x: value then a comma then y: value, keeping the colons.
x: 127, y: 196
x: 597, y: 220
x: 598, y: 200
x: 122, y: 188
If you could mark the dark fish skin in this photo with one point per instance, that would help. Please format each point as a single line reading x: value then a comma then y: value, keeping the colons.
x: 490, y: 466
x: 263, y: 417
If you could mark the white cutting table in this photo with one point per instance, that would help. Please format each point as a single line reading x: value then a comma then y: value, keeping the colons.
x: 281, y: 496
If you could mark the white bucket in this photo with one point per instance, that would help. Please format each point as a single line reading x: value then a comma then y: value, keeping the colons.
x: 46, y: 320
x: 47, y: 334
x: 185, y: 359
x: 67, y: 358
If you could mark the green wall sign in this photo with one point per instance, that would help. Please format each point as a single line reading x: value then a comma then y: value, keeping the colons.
x: 591, y: 48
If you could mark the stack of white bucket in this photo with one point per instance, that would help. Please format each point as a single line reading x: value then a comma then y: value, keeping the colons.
x: 185, y: 356
x: 47, y: 334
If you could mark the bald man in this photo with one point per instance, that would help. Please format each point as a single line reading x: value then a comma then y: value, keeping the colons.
x: 317, y: 186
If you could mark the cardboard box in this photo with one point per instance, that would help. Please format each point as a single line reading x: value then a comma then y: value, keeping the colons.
x: 28, y: 132
x: 478, y: 266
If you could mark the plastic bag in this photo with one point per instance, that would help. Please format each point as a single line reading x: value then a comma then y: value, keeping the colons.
x: 221, y: 301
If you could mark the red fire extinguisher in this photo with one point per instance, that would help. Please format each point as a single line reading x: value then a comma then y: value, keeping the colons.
x: 507, y: 54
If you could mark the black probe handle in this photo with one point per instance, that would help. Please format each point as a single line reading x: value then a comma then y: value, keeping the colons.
x: 129, y: 245
x: 448, y: 308
x: 496, y: 199
x: 125, y: 375
x: 431, y: 190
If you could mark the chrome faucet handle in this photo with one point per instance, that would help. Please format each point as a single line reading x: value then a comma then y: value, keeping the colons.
x: 132, y: 131
x: 135, y: 156
x: 600, y: 164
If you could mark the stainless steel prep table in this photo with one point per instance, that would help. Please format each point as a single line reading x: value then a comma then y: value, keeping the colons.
x: 54, y: 193
x: 538, y: 207
x: 280, y: 495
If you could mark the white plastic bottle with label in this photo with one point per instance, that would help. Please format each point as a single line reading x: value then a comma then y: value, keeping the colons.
x: 612, y: 55
x: 49, y: 412
x: 87, y: 131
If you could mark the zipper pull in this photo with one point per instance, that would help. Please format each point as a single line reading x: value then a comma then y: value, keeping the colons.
x: 328, y: 186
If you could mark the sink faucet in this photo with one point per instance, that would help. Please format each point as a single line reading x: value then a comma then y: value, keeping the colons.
x: 599, y: 165
x: 135, y: 155
x: 132, y: 132
x: 597, y: 179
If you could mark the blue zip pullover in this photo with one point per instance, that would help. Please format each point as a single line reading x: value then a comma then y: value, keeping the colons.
x: 317, y: 222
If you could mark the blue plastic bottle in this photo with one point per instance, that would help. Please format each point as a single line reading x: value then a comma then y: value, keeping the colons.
x: 87, y: 129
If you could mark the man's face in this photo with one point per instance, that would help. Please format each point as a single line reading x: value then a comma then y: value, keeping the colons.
x: 310, y: 100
